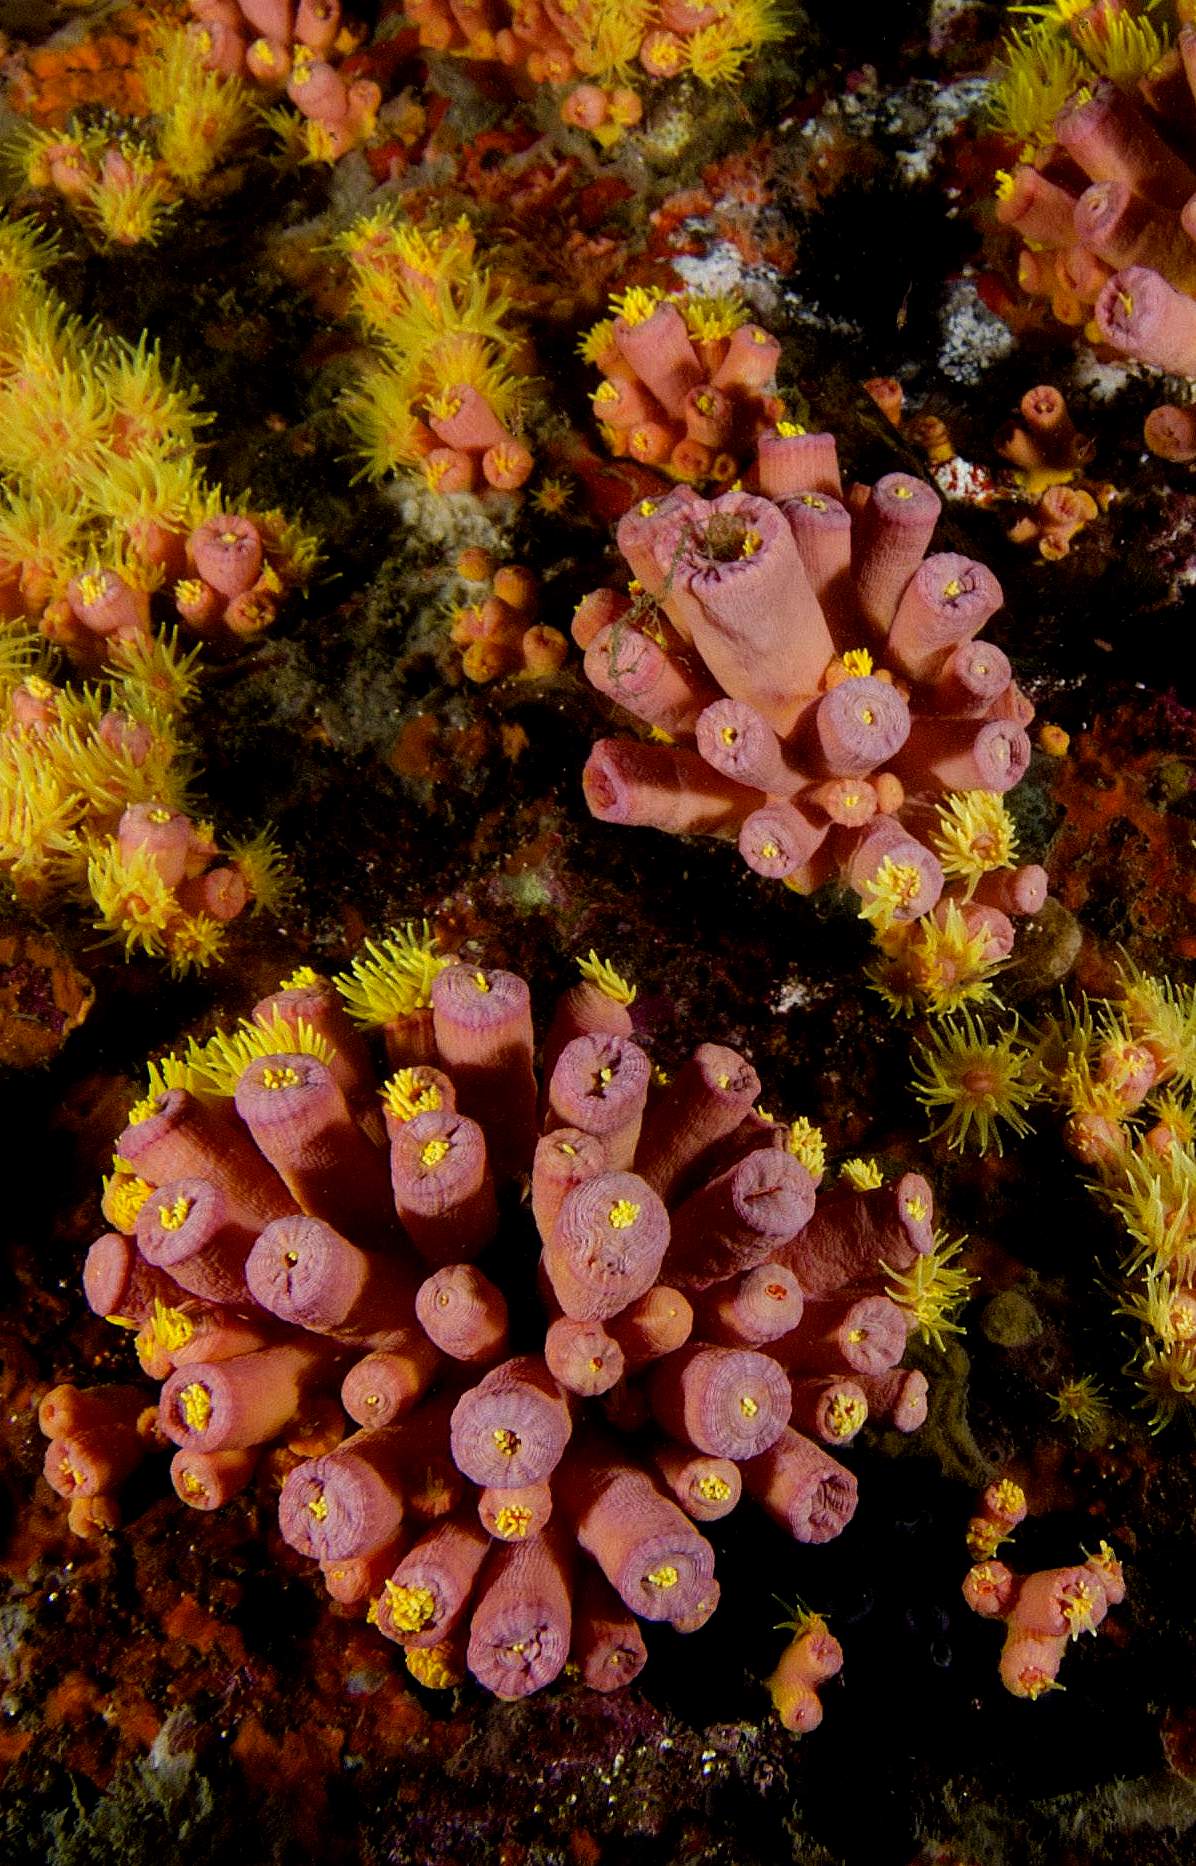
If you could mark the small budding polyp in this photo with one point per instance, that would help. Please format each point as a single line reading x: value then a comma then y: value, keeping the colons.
x: 332, y: 1298
x: 812, y: 682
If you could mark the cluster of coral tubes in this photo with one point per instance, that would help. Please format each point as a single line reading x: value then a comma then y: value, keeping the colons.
x: 535, y: 1439
x: 1043, y: 1612
x: 1104, y: 196
x: 814, y: 685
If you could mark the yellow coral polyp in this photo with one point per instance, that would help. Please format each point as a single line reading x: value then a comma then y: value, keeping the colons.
x: 410, y: 1608
x: 887, y: 893
x: 394, y: 978
x: 434, y: 1667
x: 403, y: 1100
x: 976, y: 1081
x: 975, y: 836
x: 611, y: 984
x: 196, y: 1404
x: 807, y: 1144
x: 513, y: 1521
x: 863, y: 1175
x: 1038, y: 73
x: 637, y: 304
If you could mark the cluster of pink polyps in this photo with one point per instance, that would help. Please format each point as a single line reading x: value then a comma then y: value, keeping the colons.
x: 812, y: 681
x: 280, y: 46
x: 1041, y: 1612
x: 1108, y: 214
x: 510, y: 1460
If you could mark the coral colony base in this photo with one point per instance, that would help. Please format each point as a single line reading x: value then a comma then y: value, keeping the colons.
x: 715, y: 1320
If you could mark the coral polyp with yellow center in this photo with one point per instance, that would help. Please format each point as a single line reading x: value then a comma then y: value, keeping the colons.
x: 394, y: 978
x: 976, y: 1081
x: 975, y: 836
x: 932, y: 1291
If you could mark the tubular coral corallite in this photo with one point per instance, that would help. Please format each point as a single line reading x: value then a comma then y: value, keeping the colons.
x: 509, y: 1466
x: 1103, y: 194
x: 814, y: 685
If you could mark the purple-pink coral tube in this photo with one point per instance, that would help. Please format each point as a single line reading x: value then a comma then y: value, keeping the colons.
x: 483, y: 1025
x: 582, y: 1357
x: 188, y: 1228
x: 1144, y: 317
x: 186, y: 1138
x: 958, y: 754
x: 522, y: 1621
x: 663, y: 787
x: 821, y: 529
x: 706, y: 1487
x: 585, y: 1010
x: 662, y: 356
x: 740, y: 1219
x: 644, y: 1544
x: 802, y: 1488
x: 885, y: 840
x: 386, y: 1385
x: 650, y: 534
x: 856, y: 728
x: 1014, y: 890
x: 306, y: 1273
x: 347, y: 1502
x: 564, y: 1159
x: 513, y: 1515
x: 899, y: 1397
x: 947, y: 601
x: 706, y: 1100
x: 756, y: 620
x: 733, y: 738
x: 789, y: 464
x: 118, y: 1281
x: 208, y: 1479
x: 728, y: 1402
x: 607, y: 1246
x: 1112, y: 140
x: 746, y: 1311
x: 427, y: 1594
x: 853, y: 1232
x: 319, y: 1004
x: 780, y: 840
x: 298, y: 1115
x: 1124, y: 230
x: 464, y: 1313
x: 831, y: 1409
x: 229, y: 1405
x: 512, y: 1427
x: 608, y: 1647
x: 660, y: 688
x: 890, y: 537
x: 972, y: 678
x: 443, y: 1189
x: 864, y: 1335
x: 600, y: 1085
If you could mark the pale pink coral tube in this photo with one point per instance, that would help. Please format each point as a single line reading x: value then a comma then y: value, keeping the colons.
x: 890, y: 537
x: 512, y: 1428
x: 802, y: 1488
x: 607, y: 1246
x: 1144, y: 317
x: 483, y: 1026
x: 522, y: 1622
x: 739, y: 1219
x: 663, y: 787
